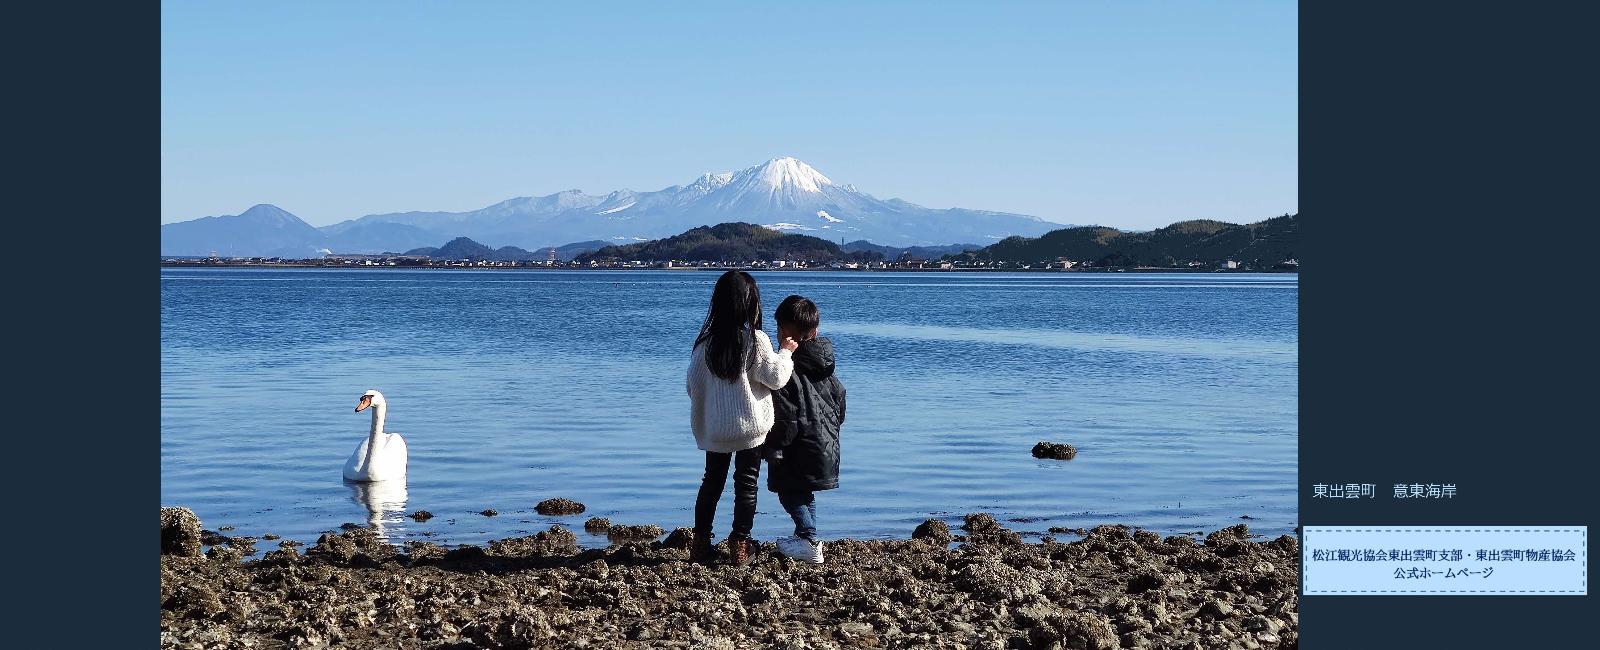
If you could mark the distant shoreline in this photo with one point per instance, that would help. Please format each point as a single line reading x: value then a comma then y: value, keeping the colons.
x: 223, y: 264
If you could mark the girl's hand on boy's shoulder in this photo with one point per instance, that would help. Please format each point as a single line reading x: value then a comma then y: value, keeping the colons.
x: 789, y: 344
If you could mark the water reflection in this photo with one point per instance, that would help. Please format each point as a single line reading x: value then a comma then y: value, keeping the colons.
x: 1285, y: 351
x: 385, y: 502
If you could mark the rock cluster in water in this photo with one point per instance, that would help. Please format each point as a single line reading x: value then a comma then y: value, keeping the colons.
x: 559, y: 506
x: 1054, y: 451
x: 1114, y: 588
x: 646, y: 531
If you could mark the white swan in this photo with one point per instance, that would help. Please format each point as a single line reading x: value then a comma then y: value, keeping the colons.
x: 382, y: 456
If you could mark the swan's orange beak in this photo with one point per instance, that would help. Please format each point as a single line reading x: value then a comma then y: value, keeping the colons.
x: 366, y: 400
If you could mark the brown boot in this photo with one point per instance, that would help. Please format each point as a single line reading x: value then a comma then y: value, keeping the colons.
x: 742, y: 548
x: 700, y: 550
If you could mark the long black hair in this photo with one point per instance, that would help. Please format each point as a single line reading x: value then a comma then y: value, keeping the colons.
x: 734, y: 315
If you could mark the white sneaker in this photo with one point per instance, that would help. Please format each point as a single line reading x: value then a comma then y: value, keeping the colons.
x: 801, y: 549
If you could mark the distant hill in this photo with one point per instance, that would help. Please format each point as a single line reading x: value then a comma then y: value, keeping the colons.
x: 1260, y: 244
x: 265, y: 230
x: 731, y: 242
x: 918, y: 252
x: 464, y: 248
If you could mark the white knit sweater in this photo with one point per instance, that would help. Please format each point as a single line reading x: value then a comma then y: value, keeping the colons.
x: 729, y: 416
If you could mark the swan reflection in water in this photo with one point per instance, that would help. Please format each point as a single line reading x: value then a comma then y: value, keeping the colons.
x: 385, y: 502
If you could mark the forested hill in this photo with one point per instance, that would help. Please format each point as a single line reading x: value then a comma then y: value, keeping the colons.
x: 463, y: 248
x: 1261, y: 245
x: 731, y: 242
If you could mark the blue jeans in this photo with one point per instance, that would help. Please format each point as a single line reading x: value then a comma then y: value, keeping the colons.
x: 802, y: 507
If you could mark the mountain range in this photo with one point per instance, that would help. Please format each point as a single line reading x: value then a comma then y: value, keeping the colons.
x: 782, y: 194
x: 1261, y: 245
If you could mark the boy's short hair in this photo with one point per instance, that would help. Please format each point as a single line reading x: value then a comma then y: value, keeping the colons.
x: 798, y: 312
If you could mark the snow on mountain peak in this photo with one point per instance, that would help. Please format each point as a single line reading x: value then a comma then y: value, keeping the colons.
x: 787, y: 172
x: 709, y: 181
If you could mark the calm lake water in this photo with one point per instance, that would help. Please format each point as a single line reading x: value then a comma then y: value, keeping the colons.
x: 511, y: 387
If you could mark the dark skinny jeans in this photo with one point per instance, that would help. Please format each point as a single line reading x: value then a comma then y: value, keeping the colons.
x: 746, y: 469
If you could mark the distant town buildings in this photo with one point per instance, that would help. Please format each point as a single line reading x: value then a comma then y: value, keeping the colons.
x: 905, y: 262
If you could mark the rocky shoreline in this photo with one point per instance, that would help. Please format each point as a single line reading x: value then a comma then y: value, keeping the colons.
x: 1113, y: 588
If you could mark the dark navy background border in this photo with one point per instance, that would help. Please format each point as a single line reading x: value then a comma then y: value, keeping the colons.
x: 83, y: 421
x: 1447, y: 181
x: 1447, y: 187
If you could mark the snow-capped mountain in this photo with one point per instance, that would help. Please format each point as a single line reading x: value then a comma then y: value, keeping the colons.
x: 783, y: 193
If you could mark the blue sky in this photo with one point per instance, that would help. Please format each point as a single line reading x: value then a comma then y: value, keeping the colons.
x: 1127, y: 114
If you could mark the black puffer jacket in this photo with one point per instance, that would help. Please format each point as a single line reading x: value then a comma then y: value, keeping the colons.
x: 803, y: 448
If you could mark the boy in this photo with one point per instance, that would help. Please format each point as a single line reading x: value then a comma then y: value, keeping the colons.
x: 802, y: 450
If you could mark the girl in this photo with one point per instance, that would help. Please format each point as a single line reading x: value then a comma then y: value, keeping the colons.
x: 732, y: 373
